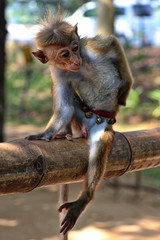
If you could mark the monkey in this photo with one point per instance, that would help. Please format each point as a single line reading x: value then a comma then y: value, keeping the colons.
x: 91, y: 80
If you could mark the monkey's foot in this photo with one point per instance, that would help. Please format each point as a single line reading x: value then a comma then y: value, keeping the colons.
x: 74, y: 210
x: 67, y: 136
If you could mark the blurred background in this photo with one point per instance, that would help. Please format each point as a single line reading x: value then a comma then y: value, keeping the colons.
x: 26, y: 106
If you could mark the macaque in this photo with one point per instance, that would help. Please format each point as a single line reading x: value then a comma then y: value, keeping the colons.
x: 91, y: 79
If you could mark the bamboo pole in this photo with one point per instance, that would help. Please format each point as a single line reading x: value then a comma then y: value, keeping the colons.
x: 25, y: 165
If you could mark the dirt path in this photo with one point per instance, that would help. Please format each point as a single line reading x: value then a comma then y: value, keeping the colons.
x: 33, y: 216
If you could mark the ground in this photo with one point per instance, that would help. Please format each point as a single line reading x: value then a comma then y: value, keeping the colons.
x: 113, y: 215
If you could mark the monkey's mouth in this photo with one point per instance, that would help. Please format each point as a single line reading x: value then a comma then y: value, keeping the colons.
x: 75, y: 67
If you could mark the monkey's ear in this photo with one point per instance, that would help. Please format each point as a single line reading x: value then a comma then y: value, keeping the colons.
x: 123, y: 94
x: 39, y: 54
x: 76, y: 29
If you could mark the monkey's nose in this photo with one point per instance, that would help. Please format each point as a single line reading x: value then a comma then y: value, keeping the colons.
x: 76, y: 62
x: 75, y: 67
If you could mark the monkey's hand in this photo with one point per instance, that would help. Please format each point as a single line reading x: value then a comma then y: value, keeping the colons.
x: 48, y: 138
x: 74, y: 210
x: 40, y: 136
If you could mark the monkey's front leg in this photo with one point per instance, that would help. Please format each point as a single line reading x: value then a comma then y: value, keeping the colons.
x: 58, y: 121
x: 101, y: 143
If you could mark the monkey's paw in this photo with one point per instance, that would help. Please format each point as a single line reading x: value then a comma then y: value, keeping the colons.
x: 38, y: 137
x: 74, y: 210
x: 67, y: 136
x: 47, y: 137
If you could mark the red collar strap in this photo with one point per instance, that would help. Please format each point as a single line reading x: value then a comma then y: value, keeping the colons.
x: 104, y: 114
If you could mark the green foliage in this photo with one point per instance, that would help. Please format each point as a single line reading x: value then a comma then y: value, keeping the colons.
x: 152, y: 176
x: 21, y: 12
x: 133, y: 106
x: 155, y: 172
x: 28, y: 11
x: 155, y: 95
x: 133, y: 101
x: 28, y: 92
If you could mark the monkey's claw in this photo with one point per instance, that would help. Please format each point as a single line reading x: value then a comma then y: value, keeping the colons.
x: 74, y: 210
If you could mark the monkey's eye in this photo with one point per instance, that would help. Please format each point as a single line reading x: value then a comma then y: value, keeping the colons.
x: 75, y: 48
x: 65, y: 54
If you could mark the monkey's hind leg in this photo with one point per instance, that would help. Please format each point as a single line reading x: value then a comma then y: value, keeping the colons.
x: 101, y: 143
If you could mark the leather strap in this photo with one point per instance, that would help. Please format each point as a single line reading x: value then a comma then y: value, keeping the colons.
x: 104, y: 114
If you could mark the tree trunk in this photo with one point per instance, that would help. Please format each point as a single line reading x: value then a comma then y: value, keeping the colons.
x: 2, y: 65
x: 105, y: 17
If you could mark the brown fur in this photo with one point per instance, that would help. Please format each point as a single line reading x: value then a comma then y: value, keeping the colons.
x: 54, y: 30
x: 96, y: 70
x: 112, y: 46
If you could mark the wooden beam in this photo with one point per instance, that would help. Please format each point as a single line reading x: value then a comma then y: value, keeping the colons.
x: 25, y: 165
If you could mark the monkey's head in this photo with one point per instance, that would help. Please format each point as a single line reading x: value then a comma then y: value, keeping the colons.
x: 58, y: 43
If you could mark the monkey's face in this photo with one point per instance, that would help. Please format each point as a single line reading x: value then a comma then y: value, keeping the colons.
x: 68, y: 57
